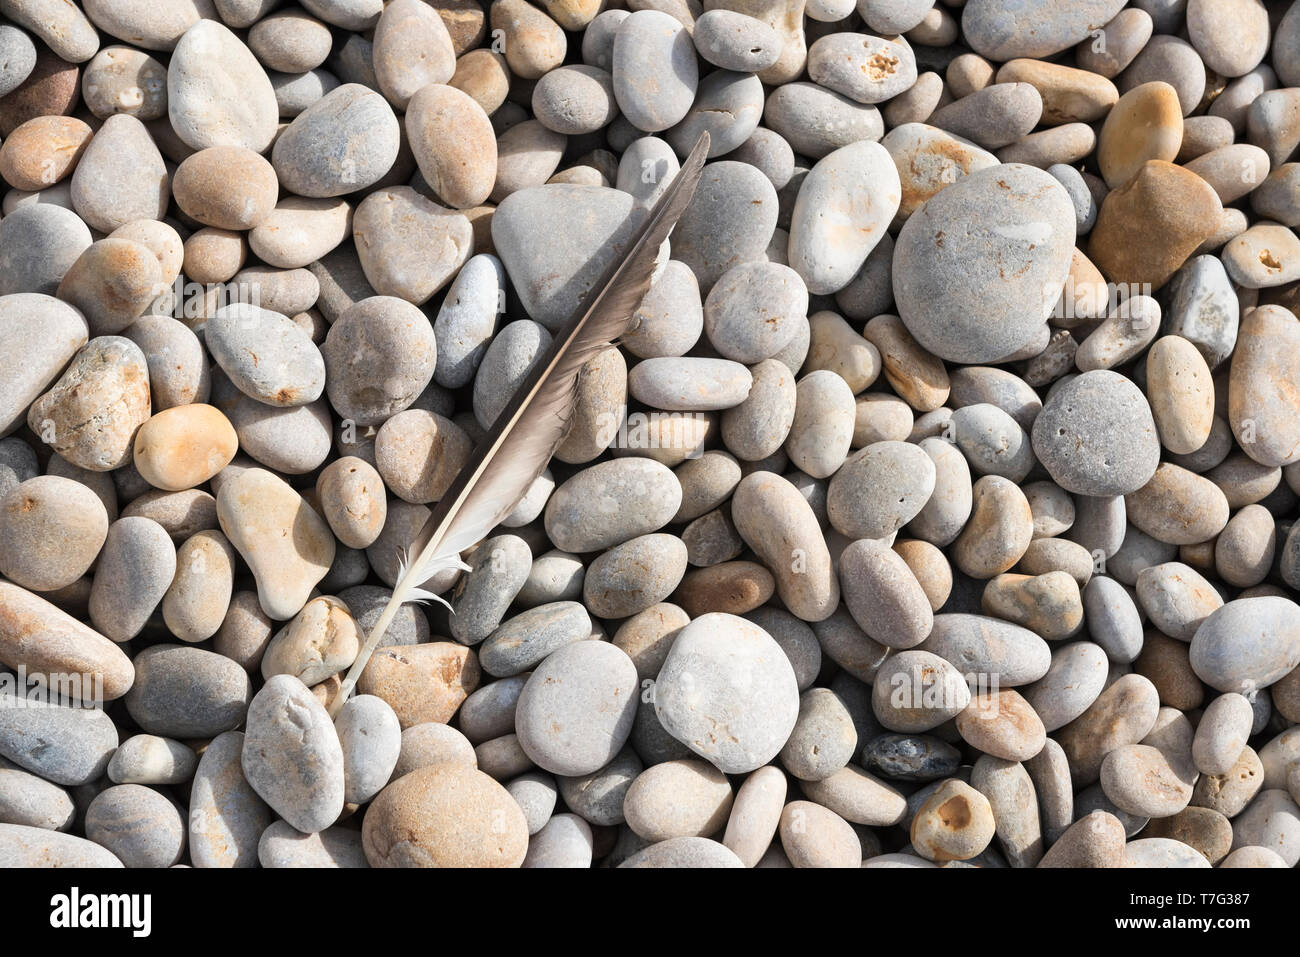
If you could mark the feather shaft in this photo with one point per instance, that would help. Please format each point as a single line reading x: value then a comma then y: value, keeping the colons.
x: 524, y: 436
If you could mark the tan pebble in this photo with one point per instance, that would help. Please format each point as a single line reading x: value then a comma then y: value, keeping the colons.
x: 684, y: 798
x: 301, y: 230
x: 930, y: 567
x: 184, y: 446
x: 1002, y: 724
x: 1139, y: 780
x: 198, y: 598
x: 534, y: 43
x: 257, y: 510
x: 919, y: 378
x: 484, y: 76
x: 1145, y: 124
x: 351, y: 495
x: 814, y: 836
x: 1000, y: 529
x: 112, y: 282
x: 1048, y: 604
x: 954, y: 824
x: 43, y: 151
x: 732, y: 587
x: 1095, y: 840
x: 419, y: 454
x: 214, y: 255
x: 1173, y: 209
x: 445, y: 815
x: 229, y: 187
x: 1264, y: 386
x: 454, y: 145
x: 1123, y: 713
x: 1166, y: 663
x: 777, y: 522
x: 756, y: 814
x: 92, y: 412
x: 1181, y: 392
x: 411, y: 50
x: 422, y: 682
x: 47, y: 642
x: 321, y: 640
x: 1069, y: 95
x: 1178, y: 507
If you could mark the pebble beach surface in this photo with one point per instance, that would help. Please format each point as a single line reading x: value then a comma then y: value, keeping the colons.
x: 939, y: 509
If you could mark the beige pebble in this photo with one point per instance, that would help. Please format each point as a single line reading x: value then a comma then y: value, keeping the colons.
x: 184, y: 446
x: 258, y: 511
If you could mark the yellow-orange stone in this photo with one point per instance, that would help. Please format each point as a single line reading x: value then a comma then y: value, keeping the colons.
x: 184, y: 446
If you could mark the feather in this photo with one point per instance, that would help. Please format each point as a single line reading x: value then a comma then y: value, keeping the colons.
x: 520, y: 443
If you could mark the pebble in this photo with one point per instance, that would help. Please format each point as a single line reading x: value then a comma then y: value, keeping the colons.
x: 655, y: 73
x: 577, y: 723
x: 444, y: 815
x: 344, y: 142
x: 1098, y: 415
x: 140, y: 826
x: 51, y: 530
x: 30, y: 801
x: 814, y: 836
x: 218, y: 94
x: 320, y: 641
x: 844, y: 205
x: 687, y: 798
x: 150, y: 759
x: 422, y: 682
x: 611, y: 503
x: 25, y: 846
x: 955, y: 824
x: 135, y: 570
x: 256, y: 511
x: 734, y: 41
x: 883, y: 595
x: 1036, y: 212
x: 453, y: 144
x: 187, y: 692
x: 689, y: 384
x: 371, y: 740
x: 685, y: 852
x: 1177, y: 208
x: 693, y: 694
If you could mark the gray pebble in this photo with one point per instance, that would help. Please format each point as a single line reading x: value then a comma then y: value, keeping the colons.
x: 524, y: 641
x: 727, y: 106
x: 342, y: 143
x: 226, y: 818
x: 654, y: 68
x: 64, y: 745
x: 536, y: 794
x: 693, y: 694
x: 38, y: 245
x: 149, y: 759
x: 576, y: 711
x: 911, y: 757
x: 17, y: 58
x: 947, y: 245
x: 371, y: 739
x: 730, y: 221
x: 140, y: 826
x: 817, y: 121
x: 292, y: 757
x: 184, y: 692
x: 612, y: 502
x: 266, y: 355
x: 1096, y: 435
x: 32, y: 801
x: 498, y: 569
x: 282, y: 846
x: 23, y: 846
